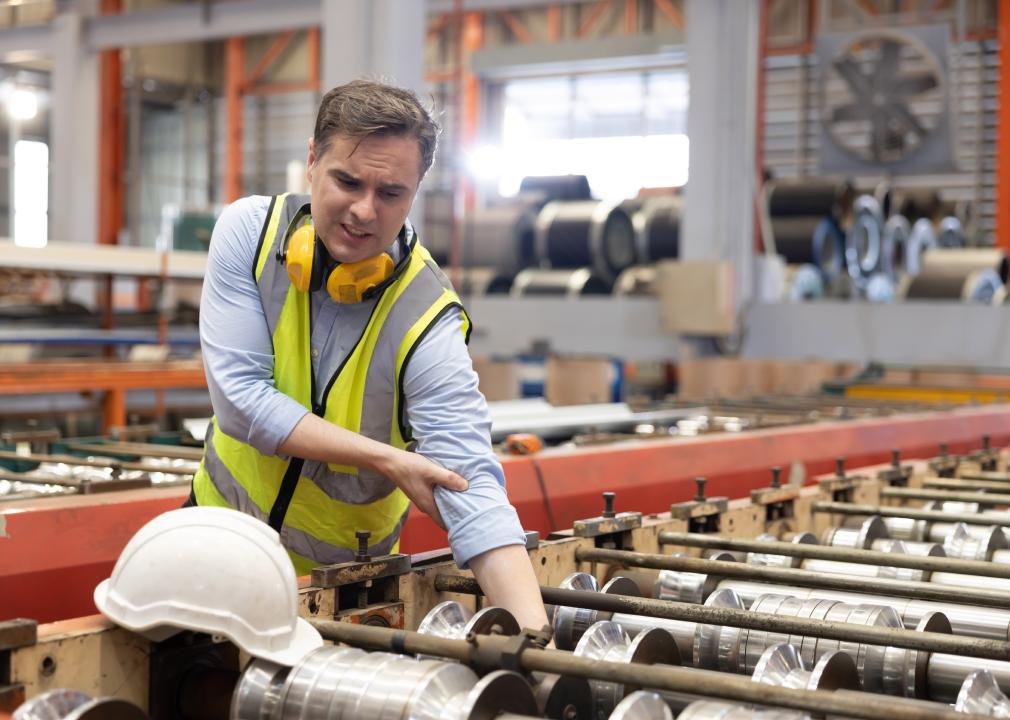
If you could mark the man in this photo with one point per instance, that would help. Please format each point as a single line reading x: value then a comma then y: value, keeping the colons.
x: 333, y: 345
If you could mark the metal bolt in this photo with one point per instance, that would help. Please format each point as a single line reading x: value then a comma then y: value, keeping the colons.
x: 363, y: 536
x: 840, y: 466
x: 700, y: 494
x: 608, y: 504
x: 896, y: 458
x: 776, y: 477
x: 985, y: 442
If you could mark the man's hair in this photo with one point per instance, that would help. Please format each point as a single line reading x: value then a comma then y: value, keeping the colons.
x: 362, y: 108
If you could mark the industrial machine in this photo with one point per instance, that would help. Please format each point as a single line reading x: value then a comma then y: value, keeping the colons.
x: 814, y: 600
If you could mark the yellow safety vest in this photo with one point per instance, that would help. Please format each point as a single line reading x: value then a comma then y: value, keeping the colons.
x: 318, y: 507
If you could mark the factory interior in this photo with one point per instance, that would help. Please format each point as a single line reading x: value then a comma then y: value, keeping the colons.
x: 689, y: 331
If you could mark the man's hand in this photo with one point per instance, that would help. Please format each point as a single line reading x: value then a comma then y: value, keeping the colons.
x: 417, y: 476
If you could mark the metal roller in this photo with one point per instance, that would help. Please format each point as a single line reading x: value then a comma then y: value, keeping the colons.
x: 896, y: 547
x: 719, y: 710
x: 873, y: 528
x: 641, y: 705
x: 449, y: 619
x: 781, y: 665
x: 607, y: 641
x: 921, y: 239
x: 809, y: 196
x: 774, y: 560
x: 981, y: 694
x: 558, y: 283
x: 657, y: 227
x: 501, y: 238
x: 581, y: 234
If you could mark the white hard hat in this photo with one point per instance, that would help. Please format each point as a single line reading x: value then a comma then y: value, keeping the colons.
x: 210, y: 570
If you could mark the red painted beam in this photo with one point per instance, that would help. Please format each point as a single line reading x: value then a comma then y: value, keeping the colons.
x: 53, y: 551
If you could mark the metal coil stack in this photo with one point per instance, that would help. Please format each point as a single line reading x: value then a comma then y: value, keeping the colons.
x: 969, y: 275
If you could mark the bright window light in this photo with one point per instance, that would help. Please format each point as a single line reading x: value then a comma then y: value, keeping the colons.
x: 22, y: 104
x: 485, y: 162
x: 31, y: 193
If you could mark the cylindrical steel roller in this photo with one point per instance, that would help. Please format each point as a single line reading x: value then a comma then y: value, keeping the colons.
x: 641, y: 705
x: 970, y: 275
x: 884, y: 571
x: 947, y: 673
x: 719, y: 710
x: 657, y: 227
x: 563, y: 696
x: 981, y: 694
x: 570, y: 623
x: 782, y: 665
x: 558, y: 283
x: 258, y: 691
x: 773, y: 560
x: 809, y: 196
x: 971, y: 542
x: 590, y: 233
x: 449, y: 619
x: 607, y: 641
x: 906, y: 529
x: 862, y: 537
x: 911, y: 547
x: 500, y: 238
x: 856, y: 509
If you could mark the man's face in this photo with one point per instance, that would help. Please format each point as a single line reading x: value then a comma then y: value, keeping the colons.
x: 362, y: 191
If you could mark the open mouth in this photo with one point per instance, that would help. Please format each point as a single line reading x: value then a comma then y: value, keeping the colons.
x: 354, y: 234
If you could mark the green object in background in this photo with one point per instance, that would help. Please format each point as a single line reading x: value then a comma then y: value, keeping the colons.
x: 192, y: 229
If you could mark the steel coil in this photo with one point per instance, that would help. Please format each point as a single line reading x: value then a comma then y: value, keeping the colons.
x: 810, y: 240
x: 559, y: 283
x: 590, y: 233
x: 637, y: 280
x: 804, y: 282
x: 864, y: 239
x: 809, y: 196
x: 969, y: 275
x: 894, y: 245
x: 657, y: 227
x: 556, y: 187
x: 949, y: 233
x: 921, y: 239
x: 500, y: 238
x: 482, y: 281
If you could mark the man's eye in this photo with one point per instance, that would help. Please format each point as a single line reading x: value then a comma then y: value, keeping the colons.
x: 391, y: 195
x: 348, y: 183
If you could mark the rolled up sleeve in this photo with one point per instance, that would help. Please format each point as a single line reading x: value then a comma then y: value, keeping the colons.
x: 452, y: 427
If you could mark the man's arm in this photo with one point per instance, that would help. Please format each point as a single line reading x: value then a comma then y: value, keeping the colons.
x: 451, y: 424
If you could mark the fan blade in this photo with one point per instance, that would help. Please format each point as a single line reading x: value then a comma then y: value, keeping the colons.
x: 900, y: 112
x: 850, y: 113
x: 914, y: 84
x: 858, y: 83
x: 887, y: 65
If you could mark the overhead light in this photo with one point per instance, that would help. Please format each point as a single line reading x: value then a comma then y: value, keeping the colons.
x: 22, y: 104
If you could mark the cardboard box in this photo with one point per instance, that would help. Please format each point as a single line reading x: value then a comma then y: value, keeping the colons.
x: 579, y: 380
x: 498, y: 379
x: 696, y: 298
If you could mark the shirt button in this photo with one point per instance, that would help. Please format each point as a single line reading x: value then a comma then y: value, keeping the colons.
x: 315, y: 353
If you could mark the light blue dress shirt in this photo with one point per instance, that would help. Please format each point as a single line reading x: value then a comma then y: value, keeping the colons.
x: 447, y: 413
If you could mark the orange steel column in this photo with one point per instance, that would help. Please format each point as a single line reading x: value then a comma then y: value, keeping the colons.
x: 1002, y: 238
x: 111, y: 157
x: 234, y: 78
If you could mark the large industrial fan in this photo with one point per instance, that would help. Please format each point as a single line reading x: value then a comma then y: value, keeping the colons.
x: 884, y: 100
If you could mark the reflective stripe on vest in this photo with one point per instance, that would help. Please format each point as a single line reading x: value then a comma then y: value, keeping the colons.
x: 331, y: 502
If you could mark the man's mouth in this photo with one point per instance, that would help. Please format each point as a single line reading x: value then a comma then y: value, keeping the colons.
x: 355, y: 234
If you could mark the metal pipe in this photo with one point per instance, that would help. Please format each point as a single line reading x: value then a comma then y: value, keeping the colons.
x: 964, y: 485
x: 840, y: 554
x: 901, y: 588
x: 991, y: 476
x: 972, y: 647
x: 991, y: 500
x: 853, y: 509
x: 946, y: 673
x: 496, y: 650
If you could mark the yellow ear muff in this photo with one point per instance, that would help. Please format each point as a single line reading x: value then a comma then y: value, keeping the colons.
x: 299, y: 256
x: 349, y: 282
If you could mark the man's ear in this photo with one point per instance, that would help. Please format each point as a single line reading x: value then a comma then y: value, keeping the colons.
x: 311, y: 160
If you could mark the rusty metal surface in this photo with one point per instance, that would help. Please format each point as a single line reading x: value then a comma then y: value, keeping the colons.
x: 663, y: 677
x: 594, y: 527
x: 349, y: 573
x: 696, y: 509
x: 802, y: 578
x: 841, y: 554
x: 18, y: 633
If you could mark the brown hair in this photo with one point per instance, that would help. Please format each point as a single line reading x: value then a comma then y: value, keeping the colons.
x: 365, y: 107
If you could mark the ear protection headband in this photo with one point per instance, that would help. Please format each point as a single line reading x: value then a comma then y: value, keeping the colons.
x: 309, y: 265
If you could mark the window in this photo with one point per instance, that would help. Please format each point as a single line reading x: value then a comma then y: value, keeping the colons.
x: 31, y: 193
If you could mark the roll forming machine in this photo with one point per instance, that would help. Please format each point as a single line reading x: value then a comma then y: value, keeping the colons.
x: 877, y: 592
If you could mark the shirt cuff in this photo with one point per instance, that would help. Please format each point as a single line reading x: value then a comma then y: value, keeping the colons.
x: 492, y: 527
x: 270, y: 429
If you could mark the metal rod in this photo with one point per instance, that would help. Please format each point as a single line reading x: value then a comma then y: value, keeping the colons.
x: 992, y: 499
x: 992, y: 476
x: 937, y: 515
x: 92, y: 462
x: 872, y: 635
x: 959, y: 484
x: 841, y: 554
x: 661, y: 677
x: 802, y: 578
x: 178, y: 452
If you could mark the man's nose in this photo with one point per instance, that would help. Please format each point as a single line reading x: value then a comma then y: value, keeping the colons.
x: 363, y: 209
